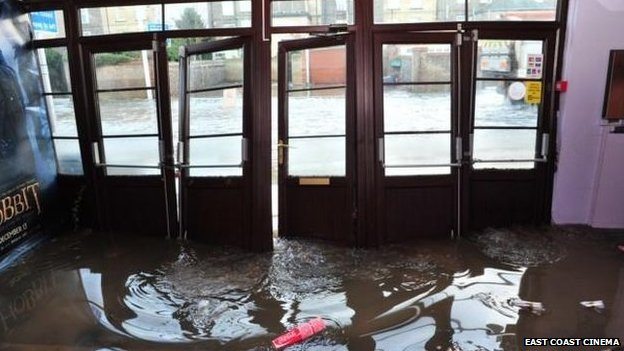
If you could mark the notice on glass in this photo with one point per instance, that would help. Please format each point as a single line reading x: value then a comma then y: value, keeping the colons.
x: 533, y: 93
x: 535, y: 65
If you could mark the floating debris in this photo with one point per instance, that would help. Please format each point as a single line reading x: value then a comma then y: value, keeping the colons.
x: 598, y: 305
x: 299, y: 333
x: 534, y: 307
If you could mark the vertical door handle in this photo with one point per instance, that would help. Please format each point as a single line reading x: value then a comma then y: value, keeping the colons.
x: 95, y: 151
x: 280, y: 151
x: 180, y: 152
x: 161, y: 150
x: 244, y: 150
x: 545, y: 145
x: 459, y: 149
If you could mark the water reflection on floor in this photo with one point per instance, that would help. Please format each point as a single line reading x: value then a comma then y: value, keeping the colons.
x: 92, y: 291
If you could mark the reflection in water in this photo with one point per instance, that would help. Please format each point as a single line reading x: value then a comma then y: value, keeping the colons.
x: 91, y: 291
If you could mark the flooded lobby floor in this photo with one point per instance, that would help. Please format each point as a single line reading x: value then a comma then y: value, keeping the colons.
x: 89, y: 291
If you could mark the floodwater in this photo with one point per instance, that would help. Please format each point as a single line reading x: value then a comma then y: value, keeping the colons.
x: 309, y: 115
x: 90, y: 291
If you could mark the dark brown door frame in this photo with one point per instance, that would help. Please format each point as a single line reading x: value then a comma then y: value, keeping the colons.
x: 188, y: 182
x: 164, y: 111
x: 261, y: 28
x: 103, y: 182
x: 348, y: 181
x: 414, y: 182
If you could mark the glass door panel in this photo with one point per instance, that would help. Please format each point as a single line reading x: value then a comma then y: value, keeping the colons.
x: 215, y: 113
x: 316, y: 99
x: 508, y: 99
x: 417, y: 118
x: 317, y: 157
x: 127, y: 112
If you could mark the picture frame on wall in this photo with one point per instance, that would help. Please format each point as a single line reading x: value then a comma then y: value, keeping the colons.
x: 614, y: 93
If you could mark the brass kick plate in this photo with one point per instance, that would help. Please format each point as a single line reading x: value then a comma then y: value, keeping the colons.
x: 314, y: 181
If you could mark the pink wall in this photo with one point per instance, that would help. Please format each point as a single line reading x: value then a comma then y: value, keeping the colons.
x: 589, y: 183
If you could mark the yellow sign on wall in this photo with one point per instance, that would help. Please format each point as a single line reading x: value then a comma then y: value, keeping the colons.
x: 533, y: 92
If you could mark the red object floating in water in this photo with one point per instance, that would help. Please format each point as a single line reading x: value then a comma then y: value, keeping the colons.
x: 299, y: 333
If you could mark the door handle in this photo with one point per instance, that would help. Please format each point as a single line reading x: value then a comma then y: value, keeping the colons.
x: 95, y: 152
x: 280, y: 151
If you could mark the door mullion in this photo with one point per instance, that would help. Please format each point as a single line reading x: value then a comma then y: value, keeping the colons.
x: 166, y: 133
x: 183, y: 146
x: 456, y: 147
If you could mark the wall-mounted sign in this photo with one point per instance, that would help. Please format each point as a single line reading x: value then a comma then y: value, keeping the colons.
x: 535, y: 65
x: 44, y: 21
x: 533, y: 93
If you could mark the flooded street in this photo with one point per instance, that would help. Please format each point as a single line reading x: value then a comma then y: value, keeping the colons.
x: 90, y: 291
x: 321, y: 114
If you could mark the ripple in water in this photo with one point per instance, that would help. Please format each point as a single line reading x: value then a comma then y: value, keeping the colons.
x: 519, y: 247
x: 446, y: 296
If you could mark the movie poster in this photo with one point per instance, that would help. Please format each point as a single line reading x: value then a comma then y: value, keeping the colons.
x: 27, y: 163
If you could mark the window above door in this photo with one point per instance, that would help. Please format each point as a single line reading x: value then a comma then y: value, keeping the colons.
x: 165, y: 17
x: 431, y: 11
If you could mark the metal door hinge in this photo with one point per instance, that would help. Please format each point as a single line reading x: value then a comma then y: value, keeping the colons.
x: 459, y: 37
x: 338, y: 28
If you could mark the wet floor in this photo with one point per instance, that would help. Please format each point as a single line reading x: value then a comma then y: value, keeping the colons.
x: 90, y: 291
